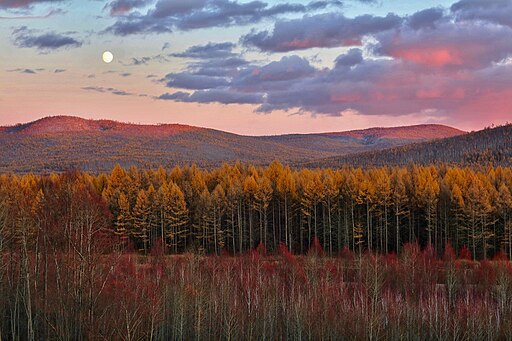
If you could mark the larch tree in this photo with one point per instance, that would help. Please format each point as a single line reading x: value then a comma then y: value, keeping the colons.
x: 153, y: 217
x: 311, y: 197
x: 332, y: 183
x: 382, y: 182
x: 262, y: 198
x: 457, y: 212
x: 217, y: 209
x: 286, y: 188
x: 173, y: 216
x: 505, y: 209
x: 250, y: 189
x: 203, y: 227
x: 478, y: 209
x: 124, y: 221
x: 141, y: 218
x: 427, y: 192
x: 399, y: 200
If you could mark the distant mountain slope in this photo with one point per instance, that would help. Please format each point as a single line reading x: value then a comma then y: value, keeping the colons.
x: 69, y: 124
x: 491, y: 145
x: 63, y: 142
x: 358, y: 141
x: 415, y: 132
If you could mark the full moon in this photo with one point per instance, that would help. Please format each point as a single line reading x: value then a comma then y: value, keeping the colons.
x: 108, y: 57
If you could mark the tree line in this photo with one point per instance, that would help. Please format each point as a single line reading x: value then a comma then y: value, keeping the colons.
x: 234, y: 208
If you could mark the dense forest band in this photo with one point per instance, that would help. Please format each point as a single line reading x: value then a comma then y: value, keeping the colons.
x: 234, y: 208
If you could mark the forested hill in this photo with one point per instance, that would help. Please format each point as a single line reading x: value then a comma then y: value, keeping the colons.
x: 484, y: 147
x: 77, y: 125
x: 54, y: 144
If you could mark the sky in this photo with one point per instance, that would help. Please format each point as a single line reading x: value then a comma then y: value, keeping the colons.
x: 259, y: 67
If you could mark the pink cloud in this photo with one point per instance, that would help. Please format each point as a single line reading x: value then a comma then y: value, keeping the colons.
x: 455, y: 45
x: 429, y: 56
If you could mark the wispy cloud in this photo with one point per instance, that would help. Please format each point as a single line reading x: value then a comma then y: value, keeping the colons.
x: 5, y: 4
x: 26, y: 71
x: 113, y: 91
x: 24, y: 37
x: 52, y: 13
x: 137, y: 61
x: 108, y: 90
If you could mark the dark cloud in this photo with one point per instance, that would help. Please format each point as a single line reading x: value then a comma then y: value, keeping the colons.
x: 24, y: 3
x: 273, y: 76
x: 208, y: 51
x: 351, y: 58
x: 165, y: 8
x: 322, y: 30
x: 246, y: 85
x: 494, y: 11
x: 316, y: 5
x: 185, y: 80
x: 425, y: 18
x: 214, y: 96
x: 218, y: 67
x: 59, y: 70
x: 27, y: 38
x: 120, y: 7
x: 213, y: 66
x: 169, y: 15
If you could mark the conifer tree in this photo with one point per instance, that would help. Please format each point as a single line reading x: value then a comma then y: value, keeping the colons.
x: 457, y: 213
x: 173, y: 216
x: 141, y: 216
x: 400, y: 203
x: 124, y: 221
x: 505, y: 207
x: 262, y: 198
x: 427, y: 193
x: 250, y: 188
x: 286, y: 188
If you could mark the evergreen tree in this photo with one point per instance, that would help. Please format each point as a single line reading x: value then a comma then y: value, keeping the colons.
x: 124, y: 221
x: 141, y: 219
x: 173, y: 216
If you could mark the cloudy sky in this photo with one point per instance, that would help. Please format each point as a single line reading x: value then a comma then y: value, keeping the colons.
x: 259, y: 67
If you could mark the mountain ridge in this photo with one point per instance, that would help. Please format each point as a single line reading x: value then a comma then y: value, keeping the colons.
x: 478, y: 148
x: 54, y: 144
x: 63, y: 124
